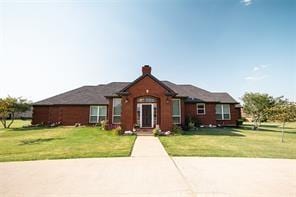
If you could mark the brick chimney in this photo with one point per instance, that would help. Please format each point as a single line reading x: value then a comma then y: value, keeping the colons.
x: 146, y: 69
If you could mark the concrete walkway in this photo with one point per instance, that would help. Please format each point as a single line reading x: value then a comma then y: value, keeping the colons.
x: 148, y: 146
x: 149, y: 172
x: 165, y: 176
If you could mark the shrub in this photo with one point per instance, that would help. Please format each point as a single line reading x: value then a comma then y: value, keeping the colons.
x: 191, y: 126
x: 77, y: 124
x: 104, y: 125
x: 118, y: 130
x: 191, y: 123
x: 177, y: 129
x: 239, y: 122
x: 156, y: 131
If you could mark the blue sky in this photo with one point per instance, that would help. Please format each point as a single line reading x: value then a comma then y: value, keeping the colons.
x: 48, y: 47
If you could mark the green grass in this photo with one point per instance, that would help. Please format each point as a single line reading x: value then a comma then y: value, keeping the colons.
x: 234, y: 142
x: 20, y: 144
x: 16, y: 124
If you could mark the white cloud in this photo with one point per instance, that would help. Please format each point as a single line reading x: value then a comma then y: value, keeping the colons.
x: 256, y: 68
x: 259, y: 73
x: 247, y: 2
x: 259, y: 67
x: 256, y: 78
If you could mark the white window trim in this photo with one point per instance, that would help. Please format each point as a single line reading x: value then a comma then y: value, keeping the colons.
x: 113, y: 112
x: 98, y: 113
x: 179, y: 116
x: 222, y: 110
x: 204, y: 107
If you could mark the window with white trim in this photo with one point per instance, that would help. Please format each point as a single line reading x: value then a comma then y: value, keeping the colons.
x: 223, y: 112
x: 97, y: 113
x: 201, y: 108
x: 116, y: 116
x: 176, y: 111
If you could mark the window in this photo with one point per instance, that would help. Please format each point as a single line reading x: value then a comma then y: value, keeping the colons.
x: 116, y: 111
x: 201, y: 108
x: 97, y: 114
x: 176, y: 111
x: 146, y: 100
x: 223, y: 112
x: 155, y: 114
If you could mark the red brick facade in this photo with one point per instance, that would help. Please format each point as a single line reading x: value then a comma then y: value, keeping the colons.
x: 66, y: 114
x: 210, y: 115
x: 145, y: 86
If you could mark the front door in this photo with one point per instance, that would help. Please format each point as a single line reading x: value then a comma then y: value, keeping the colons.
x: 146, y: 115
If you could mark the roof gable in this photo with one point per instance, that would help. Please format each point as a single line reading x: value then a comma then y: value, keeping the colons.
x: 169, y: 90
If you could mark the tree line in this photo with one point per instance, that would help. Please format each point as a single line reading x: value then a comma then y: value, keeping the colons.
x: 263, y: 107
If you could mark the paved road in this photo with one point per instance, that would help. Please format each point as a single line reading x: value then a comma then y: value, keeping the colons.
x: 149, y: 172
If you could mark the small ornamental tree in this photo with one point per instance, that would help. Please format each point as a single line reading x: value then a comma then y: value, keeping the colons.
x: 283, y: 112
x: 257, y: 105
x: 9, y: 107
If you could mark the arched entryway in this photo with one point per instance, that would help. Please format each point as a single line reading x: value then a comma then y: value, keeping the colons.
x: 147, y: 109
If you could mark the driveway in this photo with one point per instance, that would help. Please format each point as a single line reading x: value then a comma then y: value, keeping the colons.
x: 239, y: 176
x: 149, y: 172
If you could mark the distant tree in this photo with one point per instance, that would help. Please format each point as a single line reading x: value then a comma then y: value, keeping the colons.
x: 283, y: 112
x: 9, y: 107
x: 257, y: 105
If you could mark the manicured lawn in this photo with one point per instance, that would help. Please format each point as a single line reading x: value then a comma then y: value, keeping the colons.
x: 19, y: 144
x: 234, y: 142
x: 17, y: 124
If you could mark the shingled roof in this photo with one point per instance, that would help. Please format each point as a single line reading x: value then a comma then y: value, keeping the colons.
x: 85, y: 95
x: 94, y: 95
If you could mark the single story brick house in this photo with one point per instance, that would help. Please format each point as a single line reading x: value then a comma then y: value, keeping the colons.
x: 145, y: 102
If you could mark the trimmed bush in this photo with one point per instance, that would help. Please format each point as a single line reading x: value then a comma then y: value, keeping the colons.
x: 156, y: 131
x: 239, y: 122
x: 104, y: 125
x: 118, y: 130
x: 177, y: 130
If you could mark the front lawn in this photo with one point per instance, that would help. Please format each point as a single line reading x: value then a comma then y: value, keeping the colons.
x: 234, y: 142
x: 19, y: 144
x: 16, y: 124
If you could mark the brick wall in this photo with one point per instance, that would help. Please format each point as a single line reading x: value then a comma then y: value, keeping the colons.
x: 40, y: 115
x: 66, y: 114
x: 210, y: 116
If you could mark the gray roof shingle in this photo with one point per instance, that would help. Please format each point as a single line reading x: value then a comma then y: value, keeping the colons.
x: 224, y: 97
x: 88, y: 95
x: 85, y: 95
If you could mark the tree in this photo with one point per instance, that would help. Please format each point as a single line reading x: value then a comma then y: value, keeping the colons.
x: 10, y: 106
x: 283, y: 112
x: 257, y: 105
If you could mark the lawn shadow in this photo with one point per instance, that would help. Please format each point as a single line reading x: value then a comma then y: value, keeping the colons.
x: 268, y: 126
x: 274, y: 129
x: 37, y: 141
x: 216, y: 131
x: 31, y: 128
